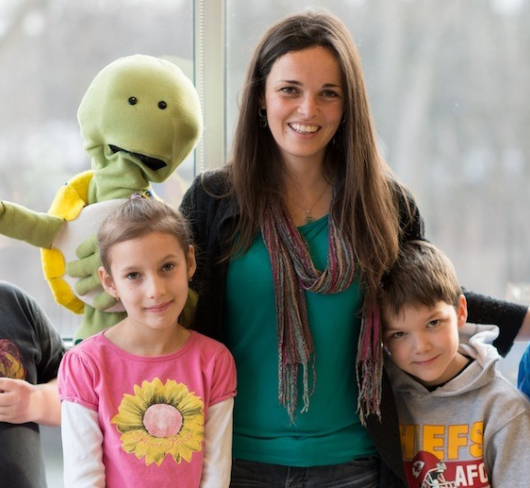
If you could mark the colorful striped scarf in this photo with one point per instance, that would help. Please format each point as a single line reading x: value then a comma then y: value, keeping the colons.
x: 294, y: 273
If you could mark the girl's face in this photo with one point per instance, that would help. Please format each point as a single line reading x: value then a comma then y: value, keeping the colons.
x: 304, y: 99
x: 150, y: 276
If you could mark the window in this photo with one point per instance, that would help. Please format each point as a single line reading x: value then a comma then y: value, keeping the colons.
x: 447, y: 83
x: 49, y: 53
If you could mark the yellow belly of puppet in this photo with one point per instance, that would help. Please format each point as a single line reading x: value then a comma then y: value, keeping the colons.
x: 82, y: 222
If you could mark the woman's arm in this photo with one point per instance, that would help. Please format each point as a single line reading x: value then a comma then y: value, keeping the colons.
x: 512, y: 319
x: 524, y: 331
x: 82, y: 447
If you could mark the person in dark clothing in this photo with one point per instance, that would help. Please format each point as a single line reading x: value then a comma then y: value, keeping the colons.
x: 31, y: 350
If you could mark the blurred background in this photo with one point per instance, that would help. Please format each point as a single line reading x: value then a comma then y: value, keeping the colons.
x: 447, y: 82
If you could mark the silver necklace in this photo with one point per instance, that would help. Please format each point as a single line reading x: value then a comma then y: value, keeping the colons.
x: 308, y: 216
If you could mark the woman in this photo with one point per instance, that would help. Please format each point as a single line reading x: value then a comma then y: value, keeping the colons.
x: 294, y: 235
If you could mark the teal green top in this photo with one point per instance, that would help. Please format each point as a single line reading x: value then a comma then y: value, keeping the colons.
x: 330, y: 432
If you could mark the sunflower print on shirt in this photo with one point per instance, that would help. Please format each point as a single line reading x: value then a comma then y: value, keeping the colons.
x: 159, y: 420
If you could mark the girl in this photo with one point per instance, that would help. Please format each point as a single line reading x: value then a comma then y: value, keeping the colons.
x: 147, y: 402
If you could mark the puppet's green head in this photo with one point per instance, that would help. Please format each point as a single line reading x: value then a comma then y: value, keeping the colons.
x: 144, y: 107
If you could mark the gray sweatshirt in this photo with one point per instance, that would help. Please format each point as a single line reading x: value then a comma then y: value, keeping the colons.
x: 474, y: 431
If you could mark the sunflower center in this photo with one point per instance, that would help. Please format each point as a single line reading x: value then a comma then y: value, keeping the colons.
x: 162, y: 420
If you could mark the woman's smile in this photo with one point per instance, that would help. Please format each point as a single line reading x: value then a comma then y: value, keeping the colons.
x: 304, y: 129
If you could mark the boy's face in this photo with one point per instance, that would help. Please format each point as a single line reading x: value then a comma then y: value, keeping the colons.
x: 423, y: 341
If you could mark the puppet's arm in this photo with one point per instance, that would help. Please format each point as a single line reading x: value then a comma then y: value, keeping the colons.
x: 36, y: 228
x: 86, y: 270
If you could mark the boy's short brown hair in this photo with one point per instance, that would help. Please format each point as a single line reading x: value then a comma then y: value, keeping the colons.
x: 422, y: 276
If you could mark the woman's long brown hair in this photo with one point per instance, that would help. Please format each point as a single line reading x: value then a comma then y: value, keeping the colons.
x: 365, y: 200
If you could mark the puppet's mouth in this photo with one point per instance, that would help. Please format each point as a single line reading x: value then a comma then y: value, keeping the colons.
x: 151, y: 163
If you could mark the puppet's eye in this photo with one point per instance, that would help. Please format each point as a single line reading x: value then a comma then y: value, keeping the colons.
x: 162, y: 105
x: 133, y: 100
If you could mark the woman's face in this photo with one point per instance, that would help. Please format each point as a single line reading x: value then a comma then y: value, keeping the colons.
x: 304, y: 99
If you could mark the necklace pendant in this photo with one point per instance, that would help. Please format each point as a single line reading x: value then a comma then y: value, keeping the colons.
x: 309, y: 218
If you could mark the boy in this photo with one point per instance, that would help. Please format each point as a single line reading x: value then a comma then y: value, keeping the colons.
x: 461, y: 422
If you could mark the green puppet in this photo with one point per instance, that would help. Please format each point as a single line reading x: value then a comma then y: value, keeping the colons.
x: 140, y: 118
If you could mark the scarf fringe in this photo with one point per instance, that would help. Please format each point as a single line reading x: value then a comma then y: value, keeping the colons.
x: 288, y: 387
x: 370, y: 365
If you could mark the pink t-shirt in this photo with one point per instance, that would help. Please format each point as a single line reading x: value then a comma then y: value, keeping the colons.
x: 151, y: 410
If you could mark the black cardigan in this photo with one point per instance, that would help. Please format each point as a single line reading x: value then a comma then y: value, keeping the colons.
x: 213, y: 216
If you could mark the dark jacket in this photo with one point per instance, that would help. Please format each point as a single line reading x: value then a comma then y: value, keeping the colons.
x: 213, y: 216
